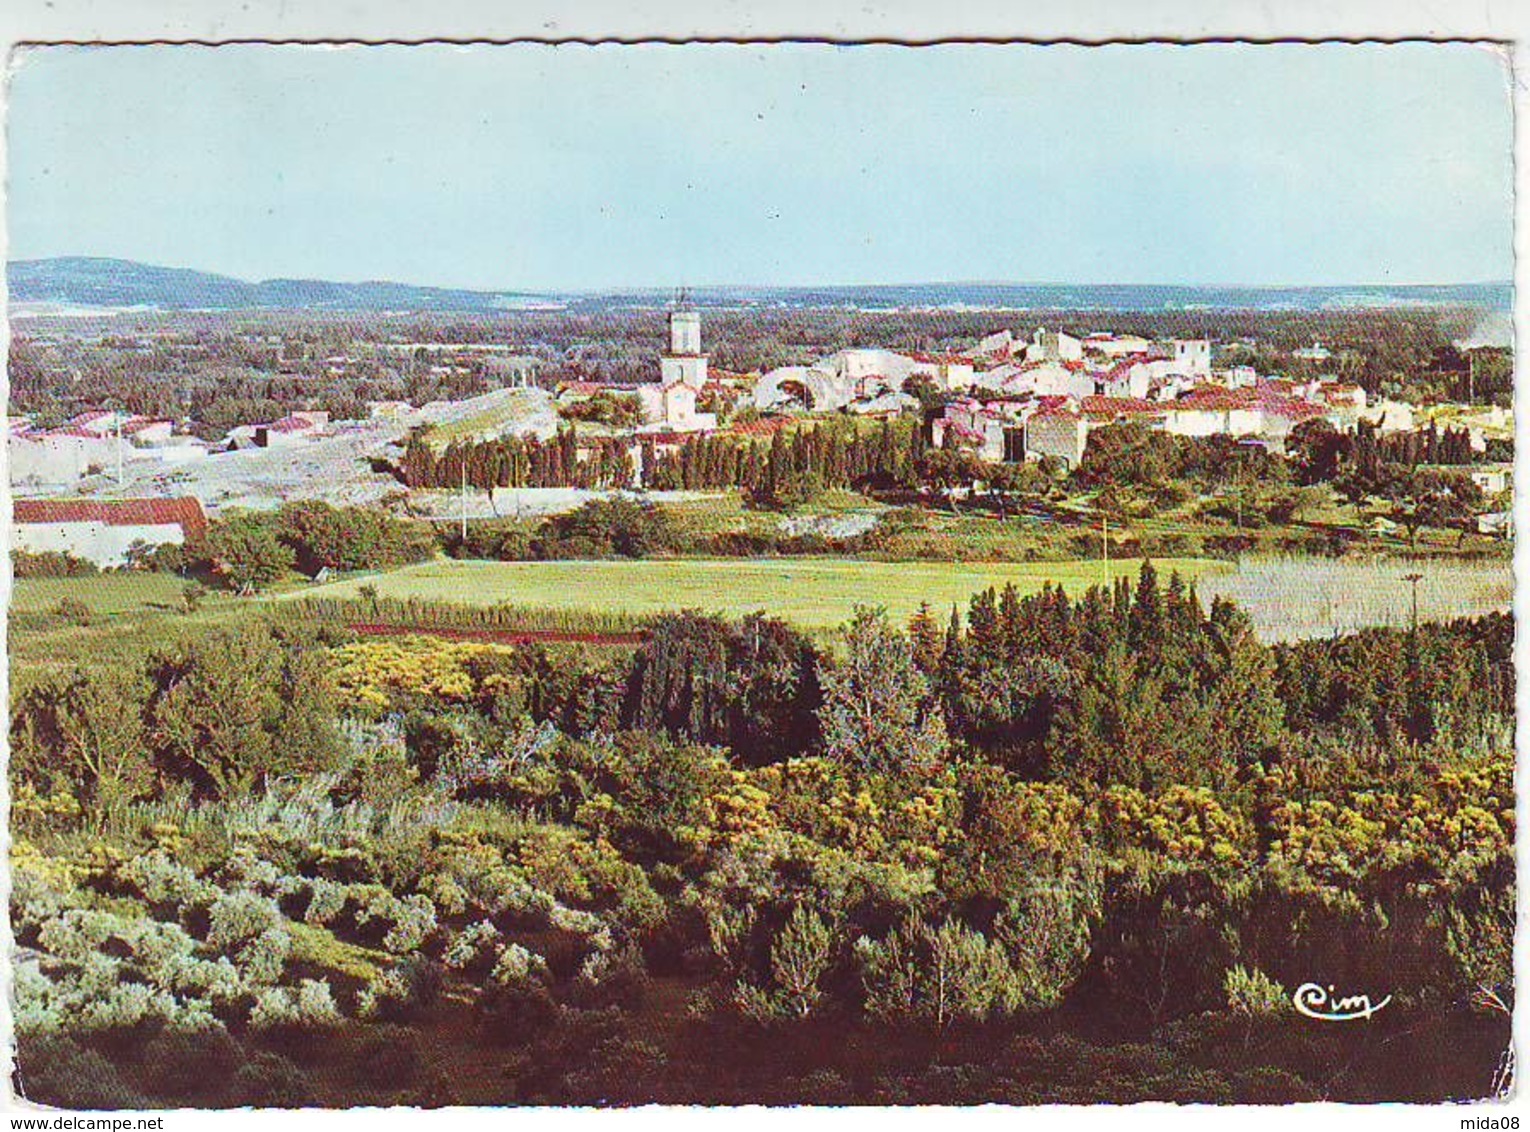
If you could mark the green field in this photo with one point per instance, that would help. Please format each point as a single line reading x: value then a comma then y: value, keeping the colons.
x: 812, y: 592
x: 1287, y: 597
x: 105, y: 594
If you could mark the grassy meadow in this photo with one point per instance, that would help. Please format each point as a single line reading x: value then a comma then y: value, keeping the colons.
x: 813, y: 593
x: 1289, y: 598
x: 104, y: 594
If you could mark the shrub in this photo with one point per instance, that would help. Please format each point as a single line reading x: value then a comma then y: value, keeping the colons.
x: 239, y: 918
x: 308, y: 1006
x: 86, y: 728
x: 391, y: 1055
x: 940, y: 974
x: 50, y: 564
x: 167, y: 884
x: 402, y: 993
x: 1252, y: 993
x: 251, y: 929
x: 516, y: 1001
x: 179, y: 1065
x: 612, y: 978
x: 247, y: 550
x: 74, y: 610
x: 269, y: 1080
x: 1045, y: 936
x: 350, y: 538
x: 54, y: 1069
x: 605, y: 527
x: 876, y: 712
x: 241, y: 704
x: 474, y: 947
x: 414, y: 918
x: 798, y: 960
x: 518, y: 965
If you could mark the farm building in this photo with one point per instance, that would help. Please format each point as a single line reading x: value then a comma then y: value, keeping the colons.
x: 102, y: 530
x: 62, y: 455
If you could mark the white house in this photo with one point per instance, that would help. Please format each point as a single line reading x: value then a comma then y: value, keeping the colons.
x: 1059, y: 433
x: 1045, y: 379
x: 1190, y: 357
x: 1492, y: 478
x: 1113, y: 346
x: 1500, y: 523
x: 1054, y: 346
x: 812, y: 388
x: 1236, y: 377
x: 61, y: 456
x: 1131, y: 377
x: 951, y: 372
x: 671, y: 407
x: 1390, y: 416
x: 1001, y: 344
x: 103, y: 531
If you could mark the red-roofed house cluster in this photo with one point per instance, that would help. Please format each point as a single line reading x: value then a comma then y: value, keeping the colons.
x: 1043, y: 397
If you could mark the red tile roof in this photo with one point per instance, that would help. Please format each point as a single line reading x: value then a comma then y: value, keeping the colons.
x: 185, y: 511
x: 1294, y: 410
x: 1121, y: 406
x: 82, y: 433
x: 593, y: 387
x: 1217, y: 398
x: 1125, y: 365
x: 290, y: 424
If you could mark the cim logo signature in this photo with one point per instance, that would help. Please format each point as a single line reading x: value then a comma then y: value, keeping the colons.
x: 1322, y: 1003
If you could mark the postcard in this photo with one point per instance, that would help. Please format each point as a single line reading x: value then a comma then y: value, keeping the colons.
x: 760, y: 573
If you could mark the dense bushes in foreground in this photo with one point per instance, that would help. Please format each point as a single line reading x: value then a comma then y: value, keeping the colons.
x: 796, y: 894
x: 956, y: 865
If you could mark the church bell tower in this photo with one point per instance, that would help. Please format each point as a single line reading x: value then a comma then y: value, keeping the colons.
x: 684, y: 361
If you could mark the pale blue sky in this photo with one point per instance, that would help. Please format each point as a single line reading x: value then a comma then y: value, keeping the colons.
x: 535, y: 167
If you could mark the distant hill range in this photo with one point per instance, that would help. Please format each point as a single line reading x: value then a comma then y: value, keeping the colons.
x: 83, y: 281
x: 86, y: 281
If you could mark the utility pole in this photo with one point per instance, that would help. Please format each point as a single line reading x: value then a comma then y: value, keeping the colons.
x: 464, y: 500
x: 1105, y: 543
x: 1414, y: 580
x: 118, y: 419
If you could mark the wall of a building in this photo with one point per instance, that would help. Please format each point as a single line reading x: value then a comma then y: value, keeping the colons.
x: 690, y: 370
x: 61, y: 459
x: 685, y: 332
x: 1062, y: 438
x: 102, y: 543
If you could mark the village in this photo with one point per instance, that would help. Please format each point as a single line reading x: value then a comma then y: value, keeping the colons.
x: 1011, y: 397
